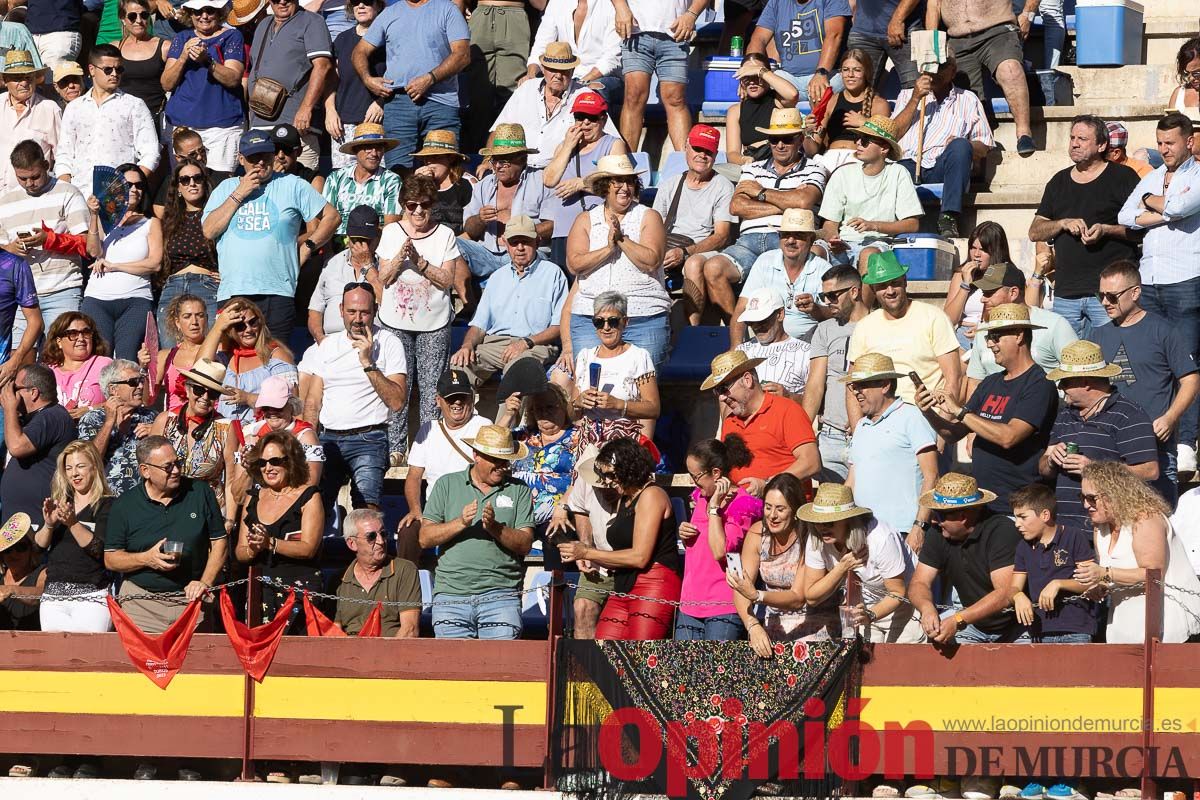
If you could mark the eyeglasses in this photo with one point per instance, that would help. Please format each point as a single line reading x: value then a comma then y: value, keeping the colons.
x: 134, y: 381
x: 196, y: 155
x: 119, y: 70
x: 199, y: 390
x: 18, y: 387
x: 274, y: 461
x: 191, y: 180
x: 1112, y: 297
x: 697, y: 476
x: 134, y: 16
x: 829, y: 298
x: 168, y: 468
x: 1089, y: 499
x: 76, y: 333
x: 418, y: 205
x: 600, y: 323
x: 581, y: 117
x: 1193, y: 75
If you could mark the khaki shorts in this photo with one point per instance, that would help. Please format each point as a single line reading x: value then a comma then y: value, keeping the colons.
x: 595, y: 587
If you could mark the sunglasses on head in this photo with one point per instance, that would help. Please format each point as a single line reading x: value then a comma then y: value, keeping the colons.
x: 198, y: 390
x: 195, y: 179
x: 600, y: 323
x: 119, y: 70
x: 581, y: 117
x: 352, y: 285
x: 134, y: 16
x: 829, y: 298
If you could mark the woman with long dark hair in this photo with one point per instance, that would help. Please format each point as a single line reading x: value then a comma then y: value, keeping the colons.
x: 987, y: 245
x: 189, y: 259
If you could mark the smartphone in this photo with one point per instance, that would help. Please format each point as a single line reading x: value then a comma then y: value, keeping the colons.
x: 916, y: 379
x: 733, y: 563
x: 594, y: 374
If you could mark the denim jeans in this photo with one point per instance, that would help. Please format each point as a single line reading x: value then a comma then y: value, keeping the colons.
x: 1013, y: 633
x: 1054, y: 31
x: 1084, y: 313
x: 1064, y: 638
x: 481, y: 261
x: 801, y: 81
x: 491, y: 615
x: 952, y: 170
x: 721, y: 628
x: 408, y: 122
x: 202, y: 286
x: 121, y: 323
x: 51, y: 306
x: 655, y: 53
x: 652, y: 334
x: 1179, y: 303
x: 835, y: 453
x: 363, y: 457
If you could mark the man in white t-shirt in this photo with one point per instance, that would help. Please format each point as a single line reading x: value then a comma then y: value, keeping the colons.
x: 784, y: 369
x: 1186, y: 521
x: 349, y: 382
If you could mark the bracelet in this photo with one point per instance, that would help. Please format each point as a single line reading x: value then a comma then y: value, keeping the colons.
x: 625, y: 409
x: 761, y: 596
x: 235, y: 198
x: 693, y: 13
x: 432, y: 77
x: 966, y: 287
x: 1036, y: 278
x: 752, y: 624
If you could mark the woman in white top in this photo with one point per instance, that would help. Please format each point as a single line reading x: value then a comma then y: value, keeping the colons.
x: 845, y: 537
x: 417, y: 258
x: 987, y: 245
x: 1133, y: 535
x: 1186, y: 97
x: 617, y: 246
x: 118, y: 294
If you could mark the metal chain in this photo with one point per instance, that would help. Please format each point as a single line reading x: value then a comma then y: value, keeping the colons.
x: 179, y: 598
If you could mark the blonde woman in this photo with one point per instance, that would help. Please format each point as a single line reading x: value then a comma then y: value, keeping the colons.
x: 75, y: 511
x: 240, y: 340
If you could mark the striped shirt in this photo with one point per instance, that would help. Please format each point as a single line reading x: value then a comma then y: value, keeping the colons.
x: 1119, y: 431
x: 785, y: 363
x: 62, y: 209
x: 1171, y: 250
x: 805, y: 172
x: 381, y: 192
x: 958, y: 116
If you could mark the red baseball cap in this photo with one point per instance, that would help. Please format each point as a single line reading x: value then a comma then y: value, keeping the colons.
x: 589, y: 103
x: 705, y: 137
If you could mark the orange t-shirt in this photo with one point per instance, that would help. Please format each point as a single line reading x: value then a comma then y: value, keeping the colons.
x: 772, y: 434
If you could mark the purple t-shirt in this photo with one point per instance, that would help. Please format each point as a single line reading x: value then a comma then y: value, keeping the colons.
x: 16, y: 289
x: 703, y: 575
x: 200, y: 101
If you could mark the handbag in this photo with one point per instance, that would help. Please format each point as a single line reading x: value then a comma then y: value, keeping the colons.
x: 269, y: 96
x: 677, y: 239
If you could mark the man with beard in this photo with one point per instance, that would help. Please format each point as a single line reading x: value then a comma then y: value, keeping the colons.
x: 366, y: 182
x: 784, y: 367
x: 351, y: 380
x: 36, y: 429
x: 115, y: 427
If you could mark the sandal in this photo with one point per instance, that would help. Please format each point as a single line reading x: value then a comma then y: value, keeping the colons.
x: 20, y: 771
x: 885, y: 791
x: 278, y: 777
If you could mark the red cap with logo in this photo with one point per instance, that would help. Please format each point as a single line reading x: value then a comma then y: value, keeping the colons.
x: 589, y: 103
x: 705, y: 137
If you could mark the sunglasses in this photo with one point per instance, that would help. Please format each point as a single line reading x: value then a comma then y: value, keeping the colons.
x: 1112, y: 297
x: 829, y: 298
x: 250, y: 323
x: 191, y: 180
x: 367, y: 3
x: 168, y: 468
x: 581, y: 117
x: 139, y: 185
x: 778, y: 140
x: 370, y: 537
x: 600, y: 323
x: 195, y: 155
x: 418, y: 205
x: 111, y: 70
x: 274, y: 461
x: 358, y: 239
x: 135, y: 381
x: 198, y: 390
x: 134, y: 16
x: 352, y: 285
x: 607, y: 477
x: 76, y: 333
x: 1089, y: 499
x: 867, y: 140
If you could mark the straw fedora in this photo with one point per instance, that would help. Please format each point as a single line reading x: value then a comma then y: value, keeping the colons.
x: 244, y: 11
x: 368, y: 133
x: 881, y: 127
x: 955, y: 490
x: 611, y: 167
x: 784, y: 122
x: 1083, y: 359
x: 798, y: 220
x: 560, y: 56
x: 872, y: 367
x: 497, y: 441
x: 585, y: 467
x: 20, y: 62
x: 508, y: 139
x: 832, y: 502
x: 14, y: 530
x: 439, y: 143
x: 1008, y: 315
x: 728, y: 366
x: 208, y: 373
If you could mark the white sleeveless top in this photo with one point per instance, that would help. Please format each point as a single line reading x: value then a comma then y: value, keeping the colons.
x: 647, y: 294
x: 123, y: 244
x: 1127, y: 610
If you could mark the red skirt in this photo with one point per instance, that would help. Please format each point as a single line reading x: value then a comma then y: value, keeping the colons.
x: 631, y: 619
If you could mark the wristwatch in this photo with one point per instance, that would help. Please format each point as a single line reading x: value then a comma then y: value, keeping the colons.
x: 824, y: 73
x: 311, y: 245
x: 962, y: 412
x: 761, y: 196
x: 371, y: 368
x: 960, y: 619
x: 925, y: 526
x: 871, y: 615
x: 528, y: 342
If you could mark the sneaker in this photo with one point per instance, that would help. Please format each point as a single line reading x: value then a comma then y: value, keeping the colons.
x: 1026, y: 146
x: 939, y: 788
x: 1008, y: 790
x: 1033, y: 791
x: 883, y: 790
x: 1187, y: 458
x: 978, y: 788
x: 1061, y: 791
x: 948, y: 226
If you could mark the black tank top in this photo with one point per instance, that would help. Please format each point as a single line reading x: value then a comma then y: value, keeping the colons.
x: 836, y: 129
x: 620, y: 537
x: 287, y: 527
x: 756, y: 113
x: 142, y: 80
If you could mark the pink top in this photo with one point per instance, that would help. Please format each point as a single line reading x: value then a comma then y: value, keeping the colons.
x: 81, y: 387
x: 703, y: 575
x: 173, y: 382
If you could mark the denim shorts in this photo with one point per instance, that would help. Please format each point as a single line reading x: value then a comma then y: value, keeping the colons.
x: 748, y: 247
x: 652, y: 334
x: 490, y: 615
x: 1064, y: 638
x: 655, y: 53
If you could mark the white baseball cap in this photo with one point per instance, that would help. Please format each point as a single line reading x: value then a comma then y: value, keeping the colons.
x: 760, y: 304
x: 196, y: 5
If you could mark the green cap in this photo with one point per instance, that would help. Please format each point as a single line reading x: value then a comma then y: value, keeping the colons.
x: 883, y: 267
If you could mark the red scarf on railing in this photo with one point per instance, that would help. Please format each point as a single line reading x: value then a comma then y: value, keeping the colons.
x: 255, y: 647
x: 320, y: 625
x: 158, y: 657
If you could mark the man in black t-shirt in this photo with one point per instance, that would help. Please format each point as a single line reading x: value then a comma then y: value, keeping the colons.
x: 1011, y: 412
x: 1078, y: 215
x: 974, y: 555
x: 36, y: 429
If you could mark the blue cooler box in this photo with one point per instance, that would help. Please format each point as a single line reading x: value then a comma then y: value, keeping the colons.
x: 719, y: 84
x: 1108, y: 33
x: 928, y: 256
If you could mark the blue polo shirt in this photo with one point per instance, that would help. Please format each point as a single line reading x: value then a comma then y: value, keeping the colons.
x: 521, y: 306
x: 1056, y: 561
x: 768, y: 273
x: 16, y: 289
x: 883, y: 452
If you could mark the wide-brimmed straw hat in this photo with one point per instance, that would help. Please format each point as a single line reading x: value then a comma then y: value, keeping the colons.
x: 497, y: 441
x: 872, y: 367
x: 244, y: 11
x: 585, y: 467
x: 955, y: 490
x: 884, y: 128
x: 833, y: 501
x: 560, y: 56
x: 439, y: 143
x: 1083, y: 359
x: 1008, y: 315
x: 784, y: 122
x: 20, y: 62
x: 728, y: 366
x: 368, y: 133
x: 798, y: 220
x: 207, y: 373
x: 618, y: 166
x: 14, y: 530
x: 508, y: 139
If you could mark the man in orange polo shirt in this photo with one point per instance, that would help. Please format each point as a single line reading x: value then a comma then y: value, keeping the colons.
x: 776, y: 430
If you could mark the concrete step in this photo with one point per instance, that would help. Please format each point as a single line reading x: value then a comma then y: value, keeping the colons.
x: 1096, y: 85
x: 1052, y: 124
x: 1155, y: 9
x: 1006, y: 170
x: 1164, y: 34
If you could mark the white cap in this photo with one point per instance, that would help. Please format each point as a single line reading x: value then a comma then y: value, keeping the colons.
x: 196, y: 5
x: 760, y: 304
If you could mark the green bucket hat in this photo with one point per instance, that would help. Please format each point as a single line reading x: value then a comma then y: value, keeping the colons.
x: 883, y: 267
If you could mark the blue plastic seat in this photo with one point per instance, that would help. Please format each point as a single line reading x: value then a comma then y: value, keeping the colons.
x: 695, y: 348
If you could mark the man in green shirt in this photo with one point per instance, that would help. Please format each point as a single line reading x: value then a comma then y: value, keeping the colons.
x: 482, y: 520
x: 146, y: 526
x: 375, y: 576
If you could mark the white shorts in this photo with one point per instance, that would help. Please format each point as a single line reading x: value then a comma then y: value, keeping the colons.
x: 222, y: 146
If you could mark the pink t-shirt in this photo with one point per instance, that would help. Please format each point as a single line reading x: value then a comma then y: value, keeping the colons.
x: 703, y: 575
x: 81, y: 387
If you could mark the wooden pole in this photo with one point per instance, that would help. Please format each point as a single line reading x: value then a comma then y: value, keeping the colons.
x: 921, y: 138
x: 1154, y: 593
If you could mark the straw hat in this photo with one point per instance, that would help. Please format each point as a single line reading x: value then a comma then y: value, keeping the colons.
x: 1083, y: 359
x: 20, y: 62
x: 881, y: 127
x: 832, y: 502
x: 611, y: 167
x: 13, y: 531
x: 368, y: 133
x: 798, y: 220
x: 439, y: 143
x: 1008, y: 315
x: 872, y: 367
x: 508, y: 138
x: 497, y: 441
x: 244, y: 11
x: 728, y: 366
x: 784, y: 122
x: 954, y: 490
x: 558, y: 55
x: 585, y: 467
x: 207, y: 373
